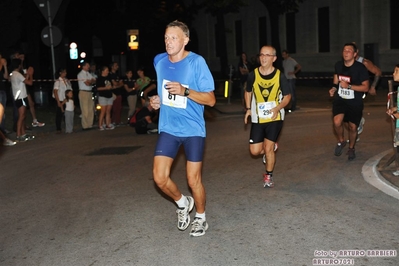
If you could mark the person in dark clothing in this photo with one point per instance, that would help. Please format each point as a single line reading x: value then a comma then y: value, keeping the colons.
x: 146, y: 119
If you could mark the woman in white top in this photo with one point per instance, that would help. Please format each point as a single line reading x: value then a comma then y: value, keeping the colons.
x: 60, y: 86
x: 20, y: 95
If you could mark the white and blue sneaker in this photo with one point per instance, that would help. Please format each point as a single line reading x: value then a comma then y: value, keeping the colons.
x: 183, y: 217
x: 199, y: 226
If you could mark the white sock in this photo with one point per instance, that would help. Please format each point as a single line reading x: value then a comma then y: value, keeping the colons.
x: 34, y: 120
x: 182, y: 202
x: 200, y: 215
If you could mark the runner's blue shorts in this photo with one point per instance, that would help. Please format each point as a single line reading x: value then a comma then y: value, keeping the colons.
x: 168, y: 145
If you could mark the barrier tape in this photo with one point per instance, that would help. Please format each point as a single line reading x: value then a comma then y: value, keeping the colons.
x: 305, y: 78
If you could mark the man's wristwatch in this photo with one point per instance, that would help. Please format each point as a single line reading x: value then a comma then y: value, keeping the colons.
x: 186, y: 92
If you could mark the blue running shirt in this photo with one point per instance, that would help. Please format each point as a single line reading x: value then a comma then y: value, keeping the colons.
x: 179, y: 115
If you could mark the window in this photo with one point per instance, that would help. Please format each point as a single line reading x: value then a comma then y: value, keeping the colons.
x: 262, y: 31
x: 290, y: 32
x: 238, y: 31
x: 324, y: 29
x: 394, y: 23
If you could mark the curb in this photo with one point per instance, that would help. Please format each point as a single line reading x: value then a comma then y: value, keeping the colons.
x: 374, y: 178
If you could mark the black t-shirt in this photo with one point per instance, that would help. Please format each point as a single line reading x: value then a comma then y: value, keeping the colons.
x: 354, y: 75
x: 100, y: 82
x: 114, y: 76
x: 130, y: 84
x: 142, y: 114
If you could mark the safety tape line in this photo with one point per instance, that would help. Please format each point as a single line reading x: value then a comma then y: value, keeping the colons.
x: 327, y: 77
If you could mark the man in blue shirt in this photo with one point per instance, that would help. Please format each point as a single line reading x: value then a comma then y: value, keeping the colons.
x: 185, y: 85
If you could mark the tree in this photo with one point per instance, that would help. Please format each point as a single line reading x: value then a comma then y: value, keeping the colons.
x: 219, y: 8
x: 277, y: 8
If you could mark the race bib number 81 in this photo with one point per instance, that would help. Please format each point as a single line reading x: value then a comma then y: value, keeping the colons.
x: 173, y: 100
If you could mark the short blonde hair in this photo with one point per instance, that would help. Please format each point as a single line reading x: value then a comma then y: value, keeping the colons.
x: 180, y: 25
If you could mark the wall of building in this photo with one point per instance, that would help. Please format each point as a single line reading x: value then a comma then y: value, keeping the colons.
x: 362, y: 21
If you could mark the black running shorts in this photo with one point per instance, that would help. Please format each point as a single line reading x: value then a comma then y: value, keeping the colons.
x: 261, y: 131
x: 352, y: 112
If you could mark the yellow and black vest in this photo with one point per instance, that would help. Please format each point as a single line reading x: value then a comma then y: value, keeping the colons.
x: 266, y: 90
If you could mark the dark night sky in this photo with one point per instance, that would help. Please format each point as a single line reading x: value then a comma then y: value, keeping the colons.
x: 21, y: 23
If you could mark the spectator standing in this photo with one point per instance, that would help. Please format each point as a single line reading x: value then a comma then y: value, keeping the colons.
x: 20, y: 96
x: 351, y: 81
x: 131, y: 91
x: 244, y: 67
x: 29, y: 88
x: 3, y: 91
x: 85, y: 82
x: 291, y: 68
x: 142, y: 84
x: 69, y: 111
x: 265, y: 105
x: 60, y: 86
x: 118, y: 86
x: 393, y: 112
x: 105, y: 99
x: 185, y: 85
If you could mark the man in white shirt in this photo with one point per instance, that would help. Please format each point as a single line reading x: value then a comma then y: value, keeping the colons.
x: 291, y: 67
x: 85, y: 81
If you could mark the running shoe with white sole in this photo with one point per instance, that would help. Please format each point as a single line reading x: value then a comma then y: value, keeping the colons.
x: 183, y: 217
x: 8, y: 142
x: 199, y: 226
x: 38, y: 124
x: 360, y: 127
x: 268, y: 181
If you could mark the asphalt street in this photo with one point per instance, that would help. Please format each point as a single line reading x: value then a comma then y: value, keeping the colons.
x: 88, y: 198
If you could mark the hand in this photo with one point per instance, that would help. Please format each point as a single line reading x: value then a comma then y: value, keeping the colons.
x: 3, y: 61
x: 332, y: 91
x: 372, y: 91
x: 175, y: 88
x: 392, y: 110
x: 247, y: 115
x: 30, y: 71
x: 155, y: 102
x: 274, y: 113
x: 344, y: 84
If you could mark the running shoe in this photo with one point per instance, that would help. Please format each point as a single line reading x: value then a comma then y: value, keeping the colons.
x: 183, y: 217
x: 360, y: 127
x: 110, y: 127
x: 38, y: 124
x: 152, y: 131
x: 198, y: 227
x: 351, y: 154
x: 264, y: 155
x: 268, y: 181
x: 8, y: 142
x: 22, y: 138
x: 338, y: 149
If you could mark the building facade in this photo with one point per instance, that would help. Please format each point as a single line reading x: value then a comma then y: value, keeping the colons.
x: 314, y: 35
